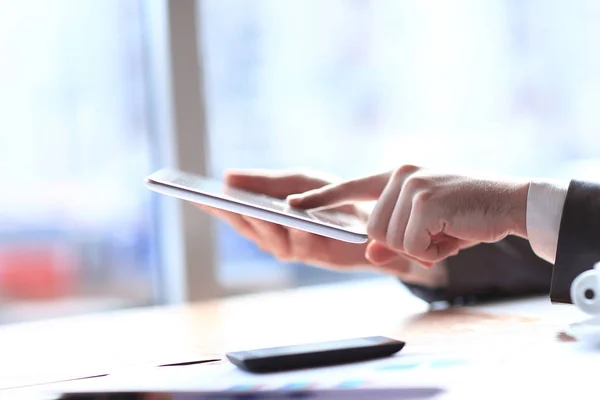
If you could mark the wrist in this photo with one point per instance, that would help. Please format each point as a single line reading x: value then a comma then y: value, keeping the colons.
x: 518, y: 209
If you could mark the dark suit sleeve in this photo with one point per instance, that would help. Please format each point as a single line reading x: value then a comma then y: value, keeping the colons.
x: 578, y: 246
x: 493, y: 271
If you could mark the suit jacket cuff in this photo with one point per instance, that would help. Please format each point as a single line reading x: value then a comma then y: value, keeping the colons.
x: 579, y: 238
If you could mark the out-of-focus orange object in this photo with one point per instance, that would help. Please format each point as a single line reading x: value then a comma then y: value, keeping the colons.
x: 37, y: 271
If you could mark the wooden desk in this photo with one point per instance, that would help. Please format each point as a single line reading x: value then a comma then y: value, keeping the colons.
x: 107, y: 342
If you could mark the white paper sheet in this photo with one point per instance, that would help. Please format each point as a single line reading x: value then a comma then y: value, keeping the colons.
x: 538, y: 365
x: 407, y: 375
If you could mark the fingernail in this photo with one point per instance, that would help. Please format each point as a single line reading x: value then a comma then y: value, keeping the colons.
x: 370, y: 258
x: 294, y: 198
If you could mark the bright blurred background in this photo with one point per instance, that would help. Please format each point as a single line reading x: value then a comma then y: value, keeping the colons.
x: 346, y: 86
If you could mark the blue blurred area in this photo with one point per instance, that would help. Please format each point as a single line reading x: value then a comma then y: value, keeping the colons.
x: 75, y: 220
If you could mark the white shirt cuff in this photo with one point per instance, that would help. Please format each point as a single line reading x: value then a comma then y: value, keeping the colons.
x: 545, y: 202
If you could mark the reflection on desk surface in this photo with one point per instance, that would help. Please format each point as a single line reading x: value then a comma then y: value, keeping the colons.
x: 502, y: 333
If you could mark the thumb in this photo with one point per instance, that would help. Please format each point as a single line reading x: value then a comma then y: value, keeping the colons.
x: 378, y: 254
x: 362, y: 189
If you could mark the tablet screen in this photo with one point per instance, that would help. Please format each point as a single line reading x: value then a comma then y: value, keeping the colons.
x: 219, y: 190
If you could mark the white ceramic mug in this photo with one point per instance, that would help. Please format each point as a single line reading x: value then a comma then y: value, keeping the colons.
x: 585, y: 291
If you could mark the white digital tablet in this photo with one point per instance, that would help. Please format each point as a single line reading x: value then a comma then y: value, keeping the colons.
x: 214, y: 193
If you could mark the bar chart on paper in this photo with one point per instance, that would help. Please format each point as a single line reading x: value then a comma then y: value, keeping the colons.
x: 402, y: 370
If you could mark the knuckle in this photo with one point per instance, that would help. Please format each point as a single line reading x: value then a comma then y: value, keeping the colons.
x: 422, y: 200
x: 416, y: 183
x: 404, y: 171
x: 411, y: 246
x: 376, y: 231
x: 395, y: 239
x: 297, y: 176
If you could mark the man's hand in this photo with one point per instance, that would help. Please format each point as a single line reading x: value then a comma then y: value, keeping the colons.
x: 290, y: 245
x: 429, y: 216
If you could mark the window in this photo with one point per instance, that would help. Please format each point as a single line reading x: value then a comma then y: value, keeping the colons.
x: 357, y: 86
x: 96, y: 94
x: 75, y: 142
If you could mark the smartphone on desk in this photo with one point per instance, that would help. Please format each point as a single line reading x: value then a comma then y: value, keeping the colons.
x: 312, y: 355
x: 214, y: 193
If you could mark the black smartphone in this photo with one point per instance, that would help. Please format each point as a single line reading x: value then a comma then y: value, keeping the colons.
x: 315, y: 354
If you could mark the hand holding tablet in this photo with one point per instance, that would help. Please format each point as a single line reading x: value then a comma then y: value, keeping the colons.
x: 295, y: 235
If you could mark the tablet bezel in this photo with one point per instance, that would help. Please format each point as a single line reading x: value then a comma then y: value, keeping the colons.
x: 172, y: 182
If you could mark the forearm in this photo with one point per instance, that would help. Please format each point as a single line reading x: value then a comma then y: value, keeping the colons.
x: 563, y: 228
